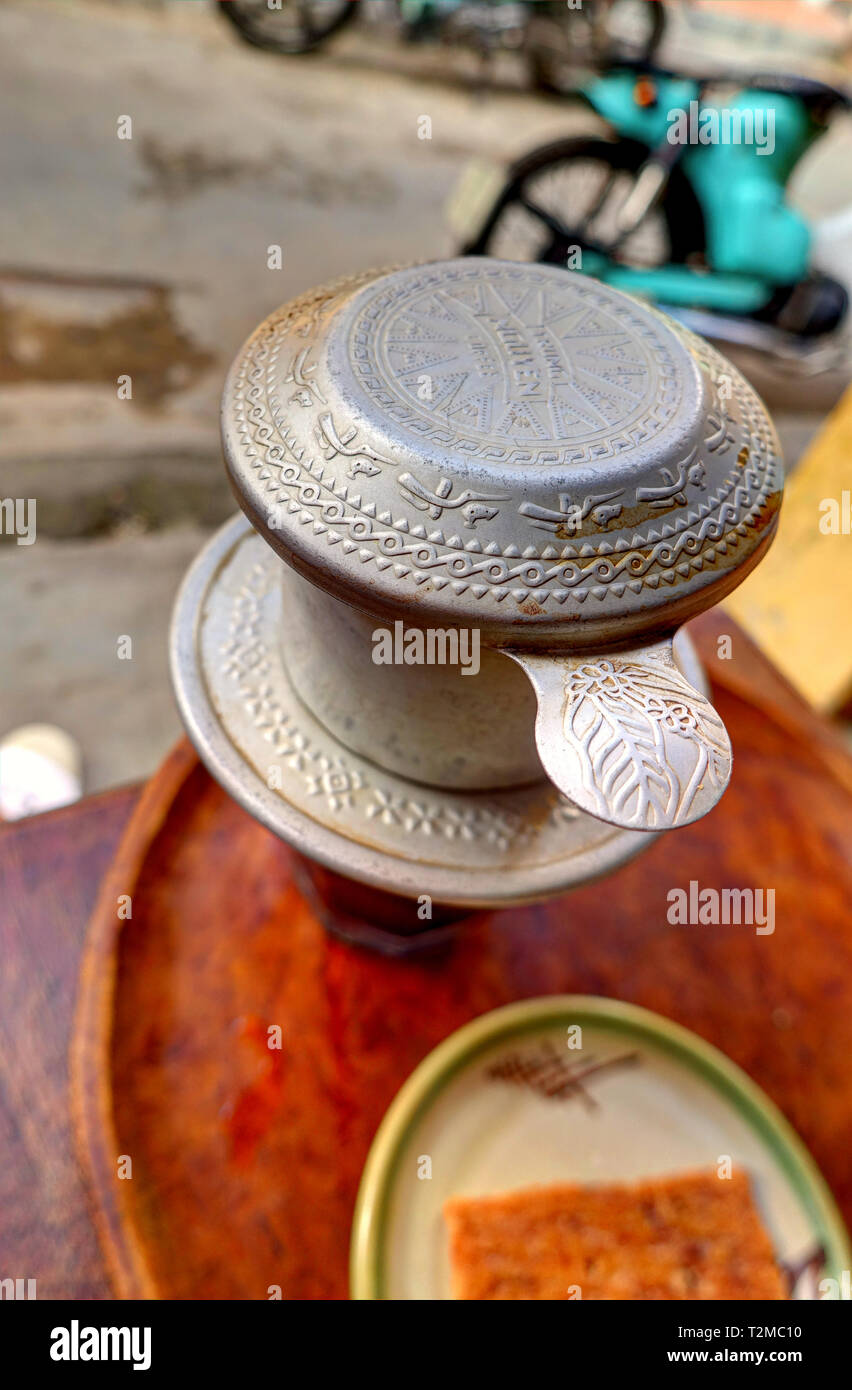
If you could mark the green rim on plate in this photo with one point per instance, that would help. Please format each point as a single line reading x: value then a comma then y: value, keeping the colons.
x: 369, y: 1227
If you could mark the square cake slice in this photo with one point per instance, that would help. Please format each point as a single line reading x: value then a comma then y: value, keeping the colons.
x: 689, y: 1236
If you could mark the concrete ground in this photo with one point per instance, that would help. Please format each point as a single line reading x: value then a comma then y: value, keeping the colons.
x: 147, y: 257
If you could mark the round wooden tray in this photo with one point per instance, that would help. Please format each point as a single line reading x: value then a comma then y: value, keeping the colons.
x: 246, y: 1160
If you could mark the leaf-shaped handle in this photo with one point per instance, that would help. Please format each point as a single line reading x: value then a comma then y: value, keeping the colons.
x: 626, y: 737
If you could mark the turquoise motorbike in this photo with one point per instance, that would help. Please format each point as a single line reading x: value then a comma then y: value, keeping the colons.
x: 683, y: 201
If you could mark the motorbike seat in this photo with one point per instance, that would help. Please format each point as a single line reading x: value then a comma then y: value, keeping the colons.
x: 817, y: 305
x: 819, y: 97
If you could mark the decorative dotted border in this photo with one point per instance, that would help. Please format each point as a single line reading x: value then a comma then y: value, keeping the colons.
x: 272, y: 449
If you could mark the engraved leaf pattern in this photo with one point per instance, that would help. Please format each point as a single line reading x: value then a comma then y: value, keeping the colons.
x: 645, y: 742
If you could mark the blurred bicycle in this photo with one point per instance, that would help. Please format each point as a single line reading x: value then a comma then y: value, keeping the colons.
x: 556, y: 38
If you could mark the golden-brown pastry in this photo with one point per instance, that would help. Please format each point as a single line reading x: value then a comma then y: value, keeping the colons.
x: 690, y: 1236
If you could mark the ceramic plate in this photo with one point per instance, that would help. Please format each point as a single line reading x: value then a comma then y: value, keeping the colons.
x: 640, y: 1097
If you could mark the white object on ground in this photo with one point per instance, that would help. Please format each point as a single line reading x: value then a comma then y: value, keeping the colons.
x: 40, y: 769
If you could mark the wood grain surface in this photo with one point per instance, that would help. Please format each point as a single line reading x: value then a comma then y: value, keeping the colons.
x: 791, y: 603
x: 50, y: 867
x: 246, y: 1160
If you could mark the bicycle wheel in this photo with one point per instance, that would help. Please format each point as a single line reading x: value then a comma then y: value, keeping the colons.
x: 297, y: 27
x: 567, y: 195
x: 634, y: 29
x: 561, y: 42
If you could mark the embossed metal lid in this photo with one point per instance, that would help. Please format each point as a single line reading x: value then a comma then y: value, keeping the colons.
x: 512, y: 447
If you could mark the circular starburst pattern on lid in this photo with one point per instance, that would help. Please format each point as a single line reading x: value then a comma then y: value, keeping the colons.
x: 484, y: 355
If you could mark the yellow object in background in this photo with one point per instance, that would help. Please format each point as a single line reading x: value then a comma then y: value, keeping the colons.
x: 798, y: 603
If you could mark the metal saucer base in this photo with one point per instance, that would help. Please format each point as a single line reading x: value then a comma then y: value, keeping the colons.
x: 465, y: 849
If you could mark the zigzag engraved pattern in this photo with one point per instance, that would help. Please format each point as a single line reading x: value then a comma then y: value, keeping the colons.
x: 660, y: 555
